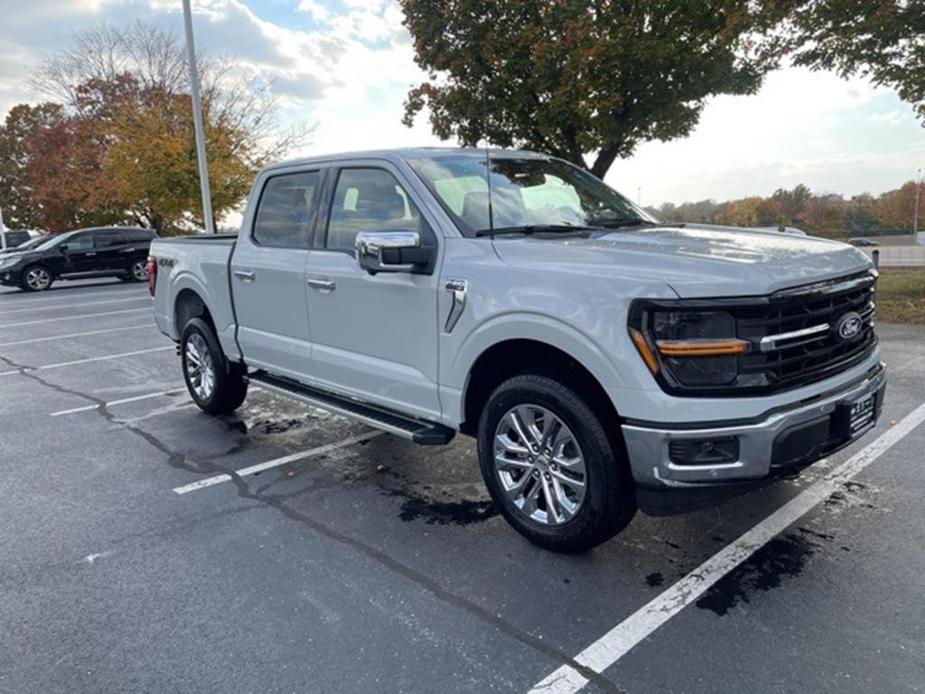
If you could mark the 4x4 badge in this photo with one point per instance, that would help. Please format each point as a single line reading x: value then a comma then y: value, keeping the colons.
x: 849, y: 326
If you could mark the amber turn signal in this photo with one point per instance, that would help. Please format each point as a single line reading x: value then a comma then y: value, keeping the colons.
x: 644, y: 350
x: 701, y: 348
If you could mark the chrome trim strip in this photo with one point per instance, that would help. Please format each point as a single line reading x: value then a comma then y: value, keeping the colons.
x: 830, y: 286
x: 458, y: 290
x: 769, y: 342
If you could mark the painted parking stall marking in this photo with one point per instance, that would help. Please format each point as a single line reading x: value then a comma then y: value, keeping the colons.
x: 86, y: 408
x: 276, y: 462
x: 31, y: 309
x: 88, y: 360
x: 68, y: 336
x: 616, y: 643
x: 78, y: 316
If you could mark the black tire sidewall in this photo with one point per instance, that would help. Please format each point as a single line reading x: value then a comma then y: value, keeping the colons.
x: 25, y: 286
x: 131, y: 273
x: 609, y: 498
x: 230, y: 387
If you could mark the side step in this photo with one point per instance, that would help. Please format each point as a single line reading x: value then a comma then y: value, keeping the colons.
x: 418, y: 430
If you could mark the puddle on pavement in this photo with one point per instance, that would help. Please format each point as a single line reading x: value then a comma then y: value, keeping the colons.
x: 446, y: 512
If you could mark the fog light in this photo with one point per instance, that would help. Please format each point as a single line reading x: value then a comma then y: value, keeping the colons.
x: 704, y: 451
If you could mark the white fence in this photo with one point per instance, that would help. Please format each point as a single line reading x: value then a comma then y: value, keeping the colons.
x: 899, y: 256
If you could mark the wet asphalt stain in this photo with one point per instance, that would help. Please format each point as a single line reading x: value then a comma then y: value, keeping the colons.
x: 654, y: 580
x: 446, y: 512
x: 782, y: 558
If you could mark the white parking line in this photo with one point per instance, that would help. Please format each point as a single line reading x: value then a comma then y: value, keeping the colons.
x: 75, y: 362
x: 50, y: 338
x: 616, y: 643
x: 140, y: 297
x: 72, y: 293
x: 163, y: 393
x: 81, y: 315
x: 276, y: 462
x: 86, y: 408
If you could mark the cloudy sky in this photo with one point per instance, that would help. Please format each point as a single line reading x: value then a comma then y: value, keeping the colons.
x: 347, y: 64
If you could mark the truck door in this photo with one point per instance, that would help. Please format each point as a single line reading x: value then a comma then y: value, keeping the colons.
x: 374, y: 336
x: 268, y: 274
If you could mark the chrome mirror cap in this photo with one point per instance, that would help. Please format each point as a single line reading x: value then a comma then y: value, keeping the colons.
x: 381, y: 251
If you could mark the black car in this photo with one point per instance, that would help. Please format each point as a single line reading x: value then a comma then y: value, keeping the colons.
x: 34, y: 242
x: 110, y: 252
x: 15, y: 238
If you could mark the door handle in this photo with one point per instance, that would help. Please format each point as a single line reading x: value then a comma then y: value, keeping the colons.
x: 323, y: 285
x: 246, y: 275
x: 89, y: 253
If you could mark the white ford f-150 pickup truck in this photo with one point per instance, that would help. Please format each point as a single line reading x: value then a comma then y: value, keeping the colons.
x: 605, y: 362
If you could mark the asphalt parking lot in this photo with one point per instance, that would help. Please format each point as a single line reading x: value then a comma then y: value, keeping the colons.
x: 338, y: 559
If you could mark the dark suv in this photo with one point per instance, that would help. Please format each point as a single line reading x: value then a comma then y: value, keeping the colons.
x: 109, y: 252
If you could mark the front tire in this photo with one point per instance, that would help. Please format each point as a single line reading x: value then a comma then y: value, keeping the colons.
x: 216, y: 385
x: 36, y: 278
x: 552, y: 468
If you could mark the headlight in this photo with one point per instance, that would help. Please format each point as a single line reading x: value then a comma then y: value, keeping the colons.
x: 688, y: 348
x: 7, y: 262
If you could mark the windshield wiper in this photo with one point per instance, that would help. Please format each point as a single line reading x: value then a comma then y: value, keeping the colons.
x: 624, y: 222
x: 535, y: 228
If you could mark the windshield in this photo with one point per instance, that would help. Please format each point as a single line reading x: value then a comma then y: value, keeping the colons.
x: 525, y: 192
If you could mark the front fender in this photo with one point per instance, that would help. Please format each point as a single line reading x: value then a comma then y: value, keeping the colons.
x: 615, y: 370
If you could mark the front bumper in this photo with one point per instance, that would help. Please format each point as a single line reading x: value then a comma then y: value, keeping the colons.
x: 11, y: 277
x: 787, y: 437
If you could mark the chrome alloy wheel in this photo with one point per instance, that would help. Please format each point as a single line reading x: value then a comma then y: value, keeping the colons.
x: 140, y: 270
x: 38, y: 278
x: 199, y: 366
x: 540, y: 465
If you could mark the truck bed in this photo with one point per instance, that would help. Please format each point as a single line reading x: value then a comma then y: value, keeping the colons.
x: 198, y: 264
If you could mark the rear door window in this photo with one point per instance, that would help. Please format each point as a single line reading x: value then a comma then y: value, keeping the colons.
x: 286, y: 210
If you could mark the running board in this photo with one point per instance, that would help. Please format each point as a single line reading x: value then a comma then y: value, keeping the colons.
x: 417, y: 430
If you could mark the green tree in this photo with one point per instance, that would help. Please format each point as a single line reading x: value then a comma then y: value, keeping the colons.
x: 569, y: 77
x: 790, y: 203
x: 881, y: 39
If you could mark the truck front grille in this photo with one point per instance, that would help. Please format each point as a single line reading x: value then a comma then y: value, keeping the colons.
x: 796, y: 337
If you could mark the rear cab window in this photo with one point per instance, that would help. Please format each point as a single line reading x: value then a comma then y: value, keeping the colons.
x: 286, y: 210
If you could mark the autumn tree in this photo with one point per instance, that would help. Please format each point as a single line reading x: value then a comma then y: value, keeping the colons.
x: 17, y: 156
x: 569, y: 77
x: 124, y: 149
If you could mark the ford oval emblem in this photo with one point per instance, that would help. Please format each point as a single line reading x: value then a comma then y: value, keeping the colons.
x: 849, y: 326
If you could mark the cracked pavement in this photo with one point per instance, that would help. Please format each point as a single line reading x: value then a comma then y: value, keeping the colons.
x: 380, y: 566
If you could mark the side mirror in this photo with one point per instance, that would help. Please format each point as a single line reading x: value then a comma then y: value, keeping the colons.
x: 63, y: 248
x: 392, y: 251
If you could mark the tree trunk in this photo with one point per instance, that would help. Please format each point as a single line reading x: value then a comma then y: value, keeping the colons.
x: 605, y: 158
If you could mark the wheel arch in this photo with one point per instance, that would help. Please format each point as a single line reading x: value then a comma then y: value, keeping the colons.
x: 519, y: 355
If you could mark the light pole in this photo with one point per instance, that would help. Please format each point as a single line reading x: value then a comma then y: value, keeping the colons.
x: 915, y: 214
x: 197, y: 121
x: 2, y: 232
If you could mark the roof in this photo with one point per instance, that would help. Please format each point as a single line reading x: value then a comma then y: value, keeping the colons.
x: 405, y: 153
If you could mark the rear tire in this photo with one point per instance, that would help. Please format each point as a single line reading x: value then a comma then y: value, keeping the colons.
x: 569, y: 459
x: 137, y: 271
x: 36, y: 278
x: 216, y: 385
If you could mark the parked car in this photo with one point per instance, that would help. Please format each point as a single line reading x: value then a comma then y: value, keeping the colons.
x: 862, y: 243
x: 108, y: 252
x: 14, y: 239
x: 33, y: 242
x: 603, y: 361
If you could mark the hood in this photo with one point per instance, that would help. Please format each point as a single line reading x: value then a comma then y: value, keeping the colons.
x: 695, y: 262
